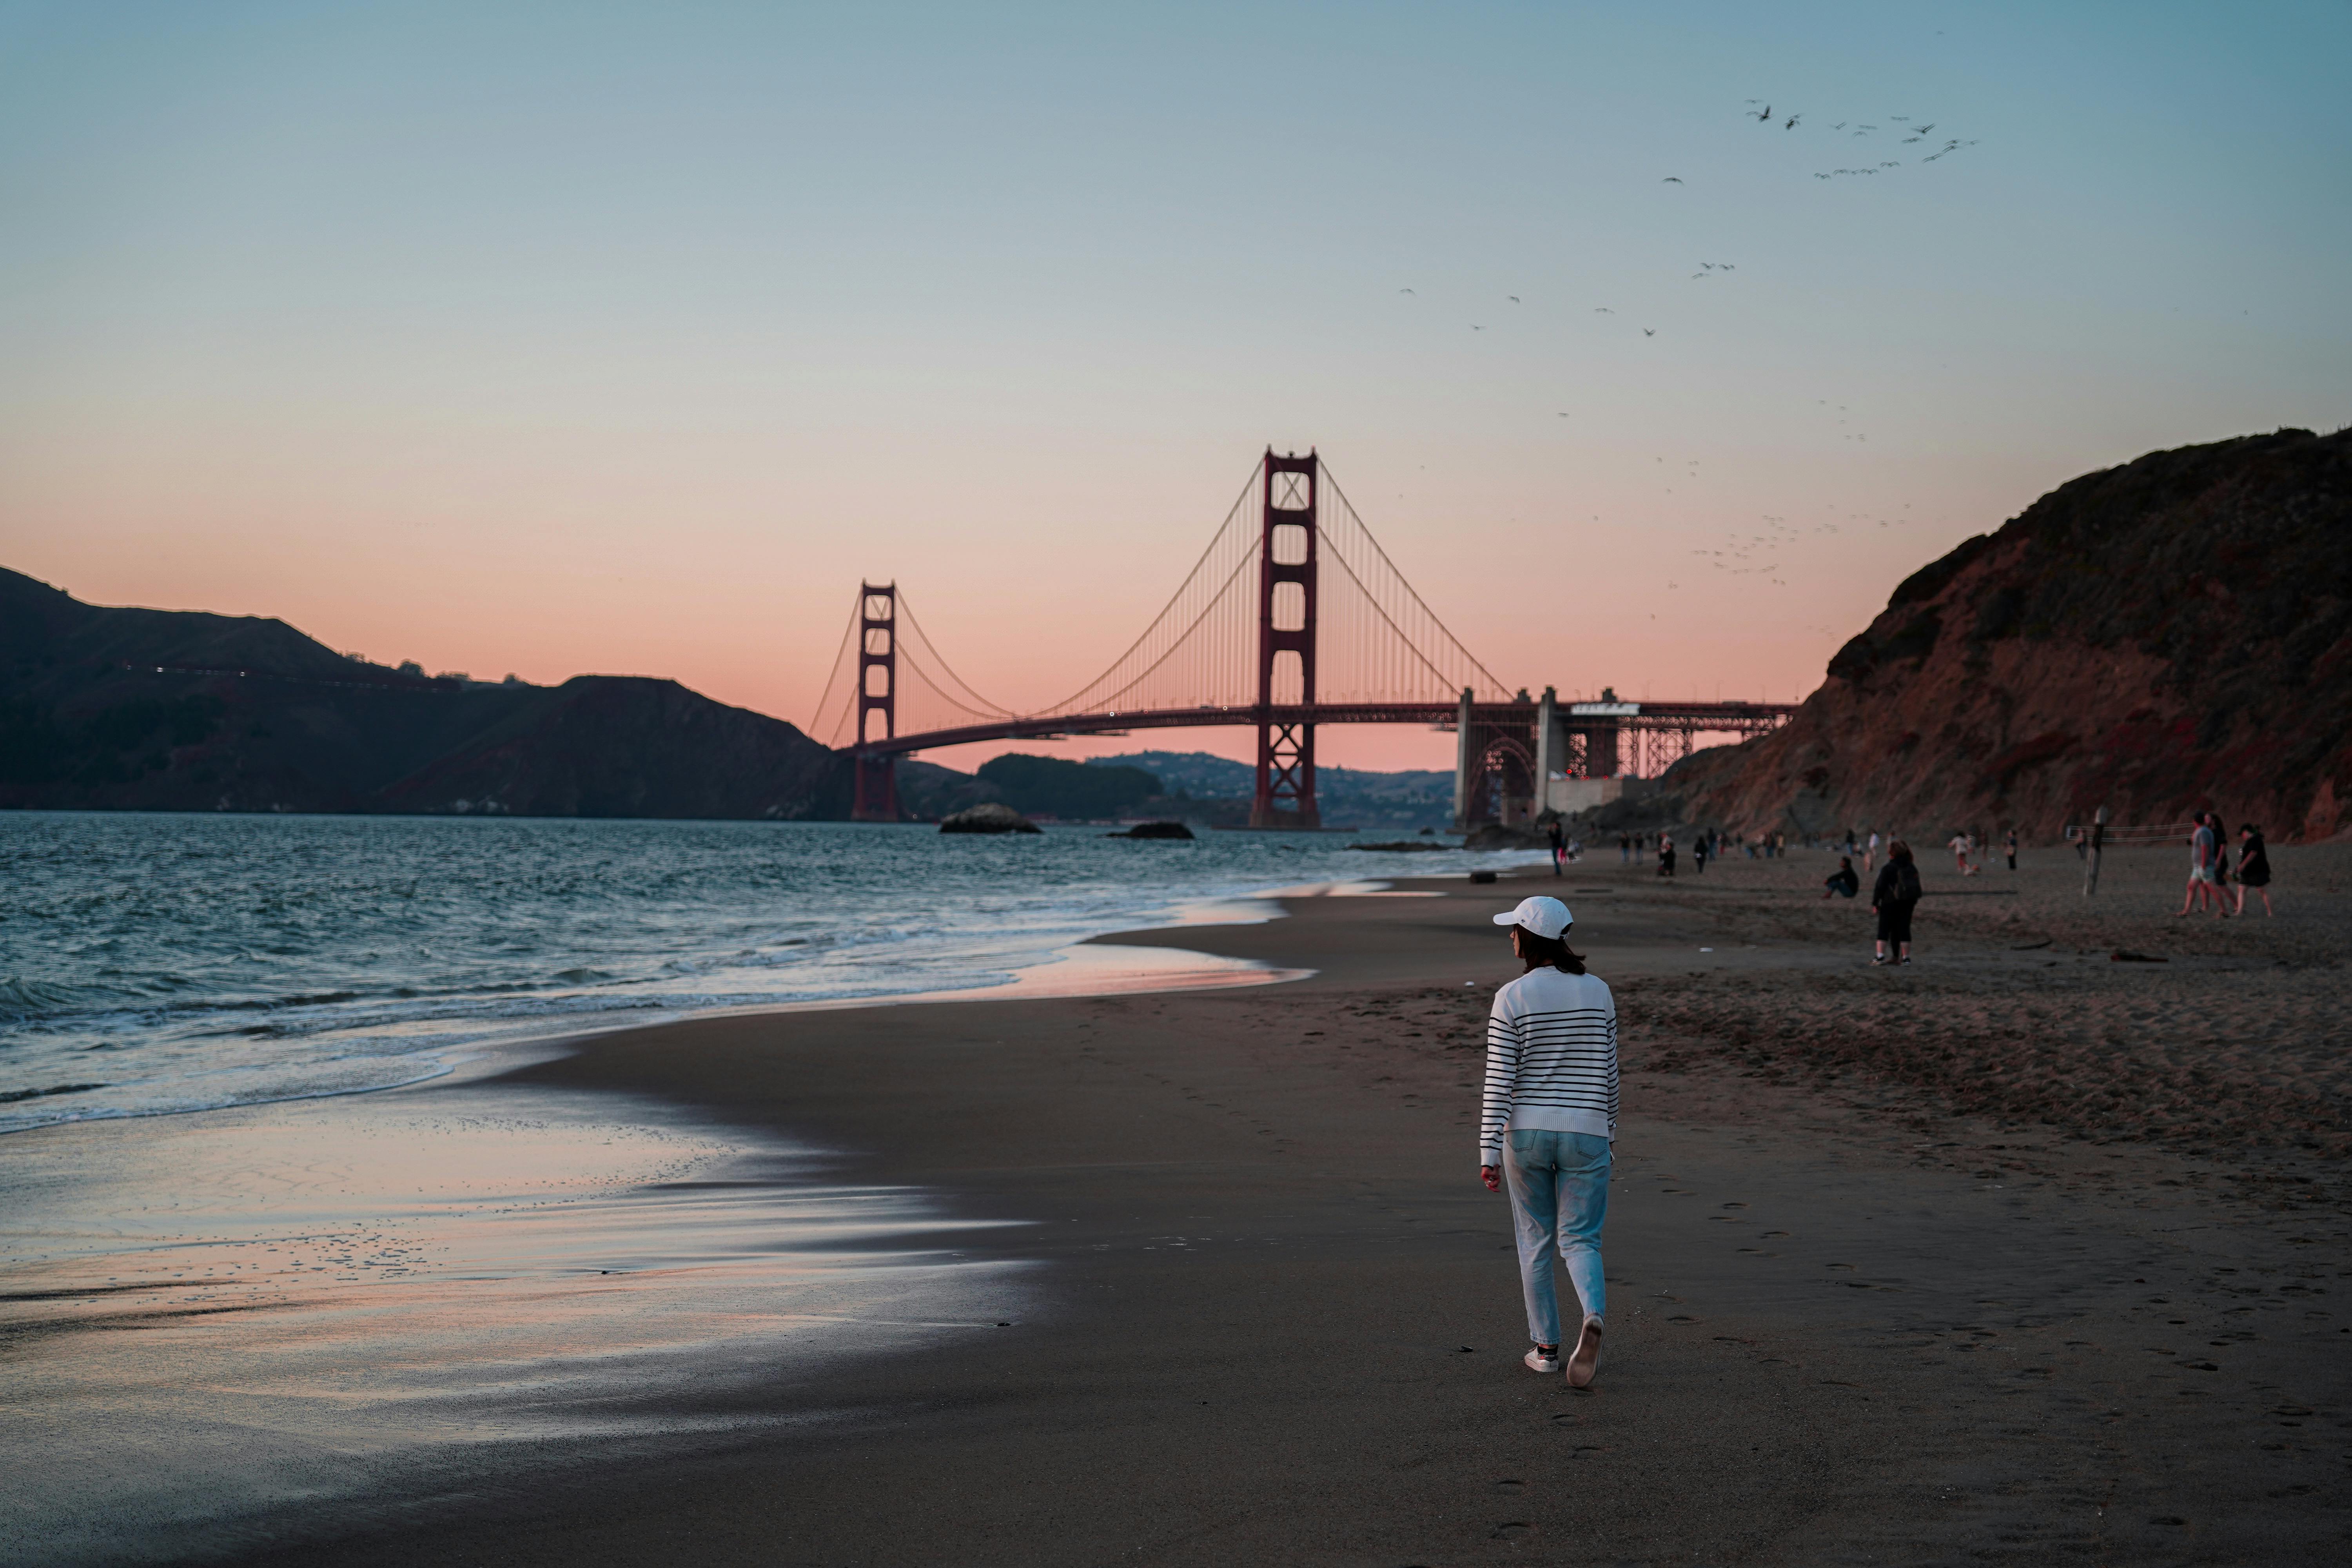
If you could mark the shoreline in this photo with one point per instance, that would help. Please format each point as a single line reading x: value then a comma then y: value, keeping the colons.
x: 1252, y: 1223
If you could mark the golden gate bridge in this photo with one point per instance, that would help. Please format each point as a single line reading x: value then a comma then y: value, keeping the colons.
x: 1293, y: 617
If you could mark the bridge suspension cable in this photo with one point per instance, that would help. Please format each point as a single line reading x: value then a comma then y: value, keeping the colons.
x: 1378, y: 642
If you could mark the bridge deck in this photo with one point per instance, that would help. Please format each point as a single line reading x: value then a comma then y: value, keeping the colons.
x: 1696, y: 716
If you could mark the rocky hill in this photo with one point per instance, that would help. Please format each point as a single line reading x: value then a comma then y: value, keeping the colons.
x: 177, y: 711
x: 2166, y: 634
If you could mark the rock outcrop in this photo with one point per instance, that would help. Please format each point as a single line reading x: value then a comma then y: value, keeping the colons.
x: 1154, y: 830
x: 2171, y: 634
x: 989, y: 818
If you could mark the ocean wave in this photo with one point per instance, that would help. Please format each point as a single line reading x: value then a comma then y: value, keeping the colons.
x: 241, y: 961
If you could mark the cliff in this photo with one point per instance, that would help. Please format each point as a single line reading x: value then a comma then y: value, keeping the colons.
x: 2164, y: 636
x: 178, y: 710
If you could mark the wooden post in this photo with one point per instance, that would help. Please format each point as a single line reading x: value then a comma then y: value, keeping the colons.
x: 2091, y: 861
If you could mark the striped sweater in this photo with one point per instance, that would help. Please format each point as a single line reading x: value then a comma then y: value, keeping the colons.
x: 1551, y: 1059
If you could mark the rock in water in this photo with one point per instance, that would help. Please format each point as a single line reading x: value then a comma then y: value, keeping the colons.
x: 1154, y: 830
x: 989, y: 818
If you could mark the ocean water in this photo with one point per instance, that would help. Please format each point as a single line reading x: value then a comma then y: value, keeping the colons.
x: 150, y: 964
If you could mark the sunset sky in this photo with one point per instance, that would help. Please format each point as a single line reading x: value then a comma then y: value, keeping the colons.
x: 554, y: 339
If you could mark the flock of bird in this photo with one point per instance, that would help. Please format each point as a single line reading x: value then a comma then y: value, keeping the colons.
x: 1757, y: 555
x: 1908, y: 131
x: 1908, y: 134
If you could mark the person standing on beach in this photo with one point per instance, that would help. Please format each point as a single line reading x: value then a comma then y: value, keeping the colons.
x: 2009, y: 844
x: 1548, y: 1118
x: 1892, y: 898
x: 1559, y: 846
x: 1870, y: 854
x: 2253, y: 867
x: 1699, y: 854
x: 1665, y: 854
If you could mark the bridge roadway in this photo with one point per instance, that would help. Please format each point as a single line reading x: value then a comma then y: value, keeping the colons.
x: 1695, y: 717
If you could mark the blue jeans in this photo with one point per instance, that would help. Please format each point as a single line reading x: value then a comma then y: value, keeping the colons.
x: 1559, y: 1184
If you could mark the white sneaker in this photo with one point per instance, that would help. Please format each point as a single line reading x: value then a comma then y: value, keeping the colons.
x: 1539, y: 1362
x: 1585, y: 1361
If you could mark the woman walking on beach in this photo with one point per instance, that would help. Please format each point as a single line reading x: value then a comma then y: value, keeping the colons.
x: 2253, y: 866
x: 1548, y: 1118
x: 1892, y: 897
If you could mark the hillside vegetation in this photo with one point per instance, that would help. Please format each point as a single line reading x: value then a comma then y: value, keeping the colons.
x: 2164, y: 636
x: 179, y: 711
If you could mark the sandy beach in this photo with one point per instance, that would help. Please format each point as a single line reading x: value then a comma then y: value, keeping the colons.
x: 2021, y: 1253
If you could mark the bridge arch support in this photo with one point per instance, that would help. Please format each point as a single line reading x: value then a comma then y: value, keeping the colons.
x: 1289, y: 545
x: 875, y: 795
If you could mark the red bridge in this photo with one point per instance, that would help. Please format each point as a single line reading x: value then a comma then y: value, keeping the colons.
x: 1261, y: 635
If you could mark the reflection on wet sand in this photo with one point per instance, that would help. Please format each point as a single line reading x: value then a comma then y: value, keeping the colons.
x: 227, y: 1311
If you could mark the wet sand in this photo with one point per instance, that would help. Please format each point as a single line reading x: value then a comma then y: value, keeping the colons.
x: 2000, y: 1257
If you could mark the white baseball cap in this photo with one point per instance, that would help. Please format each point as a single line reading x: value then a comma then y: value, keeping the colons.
x: 1545, y: 916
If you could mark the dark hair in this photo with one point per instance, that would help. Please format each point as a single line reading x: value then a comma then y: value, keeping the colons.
x: 2249, y: 827
x: 1551, y: 950
x: 1898, y: 851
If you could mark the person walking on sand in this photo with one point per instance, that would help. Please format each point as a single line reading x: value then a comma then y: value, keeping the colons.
x: 1559, y: 846
x: 1892, y: 898
x: 1546, y: 1119
x: 2253, y: 866
x: 2202, y: 888
x: 2009, y: 844
x: 1869, y: 853
x: 1699, y: 854
x: 1959, y: 848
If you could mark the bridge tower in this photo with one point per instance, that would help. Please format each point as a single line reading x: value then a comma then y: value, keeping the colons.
x: 1286, y: 626
x: 877, y: 799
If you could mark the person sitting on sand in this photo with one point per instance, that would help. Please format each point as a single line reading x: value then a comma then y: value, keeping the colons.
x: 1546, y: 1124
x: 2253, y: 866
x: 1892, y: 898
x: 1842, y: 882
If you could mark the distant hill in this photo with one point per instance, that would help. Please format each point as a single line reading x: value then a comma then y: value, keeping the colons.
x: 2172, y: 634
x: 1355, y: 796
x: 179, y: 711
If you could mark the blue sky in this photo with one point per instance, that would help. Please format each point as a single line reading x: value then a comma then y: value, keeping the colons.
x: 564, y: 338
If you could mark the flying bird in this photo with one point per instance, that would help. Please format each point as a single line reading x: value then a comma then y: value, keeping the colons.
x: 1792, y: 123
x: 1765, y: 114
x: 1670, y: 180
x: 1649, y: 332
x: 1513, y: 299
x: 1476, y: 328
x: 1602, y: 310
x: 1404, y: 290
